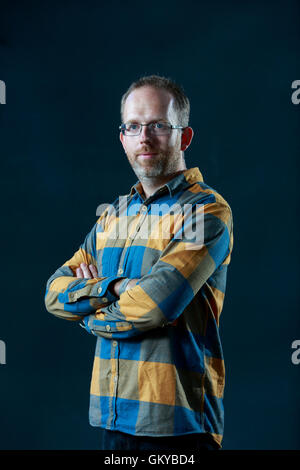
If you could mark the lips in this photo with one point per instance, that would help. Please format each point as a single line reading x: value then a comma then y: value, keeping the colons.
x: 147, y: 155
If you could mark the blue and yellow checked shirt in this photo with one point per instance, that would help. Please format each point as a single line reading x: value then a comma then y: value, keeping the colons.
x: 158, y: 367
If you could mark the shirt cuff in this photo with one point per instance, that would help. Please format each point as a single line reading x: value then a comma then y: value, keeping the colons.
x: 85, y: 324
x: 101, y: 290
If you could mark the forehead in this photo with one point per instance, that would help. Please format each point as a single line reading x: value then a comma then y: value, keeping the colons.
x: 148, y: 103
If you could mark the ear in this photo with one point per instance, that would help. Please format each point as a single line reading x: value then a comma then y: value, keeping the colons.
x: 122, y: 139
x: 186, y: 138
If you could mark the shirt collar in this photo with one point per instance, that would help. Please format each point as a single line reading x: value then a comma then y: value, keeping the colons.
x: 183, y: 180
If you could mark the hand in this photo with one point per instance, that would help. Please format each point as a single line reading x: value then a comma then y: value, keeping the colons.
x: 87, y: 272
x: 132, y: 283
x: 114, y: 286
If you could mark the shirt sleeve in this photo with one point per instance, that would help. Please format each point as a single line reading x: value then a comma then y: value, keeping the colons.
x: 72, y: 298
x: 198, y: 248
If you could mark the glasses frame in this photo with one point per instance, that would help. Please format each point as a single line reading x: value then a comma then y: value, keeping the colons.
x: 122, y: 128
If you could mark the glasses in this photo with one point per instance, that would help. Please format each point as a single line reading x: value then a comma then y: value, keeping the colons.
x: 156, y: 128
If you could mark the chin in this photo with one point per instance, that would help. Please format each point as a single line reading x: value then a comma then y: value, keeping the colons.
x: 148, y: 172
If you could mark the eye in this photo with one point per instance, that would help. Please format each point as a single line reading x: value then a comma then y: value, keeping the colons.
x: 159, y: 125
x: 132, y: 127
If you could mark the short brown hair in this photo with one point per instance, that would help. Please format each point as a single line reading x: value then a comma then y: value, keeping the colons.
x: 181, y: 101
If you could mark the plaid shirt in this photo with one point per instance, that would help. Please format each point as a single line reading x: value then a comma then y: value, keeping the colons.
x: 158, y: 367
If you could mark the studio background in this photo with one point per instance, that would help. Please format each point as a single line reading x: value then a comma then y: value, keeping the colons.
x: 65, y: 65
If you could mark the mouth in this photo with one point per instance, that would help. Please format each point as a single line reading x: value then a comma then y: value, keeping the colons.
x: 146, y: 156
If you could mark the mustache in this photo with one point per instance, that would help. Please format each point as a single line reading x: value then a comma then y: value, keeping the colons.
x: 146, y: 150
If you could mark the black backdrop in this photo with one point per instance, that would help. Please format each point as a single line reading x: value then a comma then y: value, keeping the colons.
x: 65, y: 65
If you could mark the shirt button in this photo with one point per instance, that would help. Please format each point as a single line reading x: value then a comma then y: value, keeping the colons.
x: 115, y: 343
x: 99, y: 290
x: 104, y: 299
x: 120, y: 271
x: 107, y: 328
x: 144, y: 208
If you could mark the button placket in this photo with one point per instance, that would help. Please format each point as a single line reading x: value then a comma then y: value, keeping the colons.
x: 115, y: 355
x: 142, y: 213
x: 137, y: 227
x: 141, y: 221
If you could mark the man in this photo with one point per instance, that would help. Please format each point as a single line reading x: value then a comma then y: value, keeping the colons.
x: 149, y: 282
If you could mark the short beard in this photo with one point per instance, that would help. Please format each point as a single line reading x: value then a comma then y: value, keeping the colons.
x: 165, y: 165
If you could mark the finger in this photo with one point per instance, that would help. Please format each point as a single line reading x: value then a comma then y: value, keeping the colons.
x: 86, y: 271
x: 79, y: 272
x: 93, y: 270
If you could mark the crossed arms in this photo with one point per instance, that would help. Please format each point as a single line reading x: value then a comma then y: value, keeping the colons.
x: 75, y: 292
x: 89, y: 272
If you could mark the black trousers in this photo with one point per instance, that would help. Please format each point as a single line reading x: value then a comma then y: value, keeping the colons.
x: 116, y: 440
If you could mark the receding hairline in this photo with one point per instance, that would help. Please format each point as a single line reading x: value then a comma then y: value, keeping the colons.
x: 171, y: 100
x: 152, y: 87
x: 181, y: 104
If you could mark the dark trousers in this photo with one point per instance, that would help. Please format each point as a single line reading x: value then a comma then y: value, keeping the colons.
x: 115, y: 440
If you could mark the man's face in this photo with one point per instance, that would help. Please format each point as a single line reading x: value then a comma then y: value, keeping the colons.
x: 151, y: 155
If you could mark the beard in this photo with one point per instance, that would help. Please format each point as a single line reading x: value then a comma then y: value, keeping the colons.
x: 161, y: 165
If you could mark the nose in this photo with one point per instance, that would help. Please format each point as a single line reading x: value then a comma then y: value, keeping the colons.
x: 145, y: 134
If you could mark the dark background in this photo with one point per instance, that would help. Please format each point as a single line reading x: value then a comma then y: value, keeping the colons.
x: 66, y: 65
